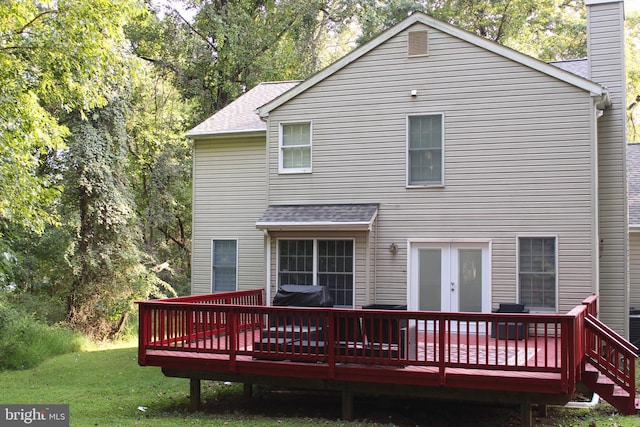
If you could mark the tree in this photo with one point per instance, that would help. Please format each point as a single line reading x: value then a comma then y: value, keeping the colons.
x: 159, y: 170
x: 546, y: 29
x: 105, y: 256
x: 230, y: 46
x: 55, y: 57
x: 632, y: 53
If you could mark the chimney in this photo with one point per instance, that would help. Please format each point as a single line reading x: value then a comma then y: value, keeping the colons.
x: 605, y: 47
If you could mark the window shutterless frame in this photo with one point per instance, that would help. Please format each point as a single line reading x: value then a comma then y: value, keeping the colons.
x: 425, y: 150
x: 295, y: 147
x: 306, y: 263
x: 224, y: 265
x: 537, y: 270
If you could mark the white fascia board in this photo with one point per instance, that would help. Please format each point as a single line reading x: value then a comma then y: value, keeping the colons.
x: 226, y: 134
x: 311, y: 226
x: 418, y: 17
x: 634, y: 228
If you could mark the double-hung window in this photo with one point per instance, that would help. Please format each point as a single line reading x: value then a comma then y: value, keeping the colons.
x: 224, y: 265
x: 295, y: 147
x: 537, y: 271
x: 425, y: 157
x: 318, y: 262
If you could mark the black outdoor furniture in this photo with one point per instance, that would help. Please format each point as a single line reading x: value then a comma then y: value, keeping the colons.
x: 294, y: 331
x: 509, y: 330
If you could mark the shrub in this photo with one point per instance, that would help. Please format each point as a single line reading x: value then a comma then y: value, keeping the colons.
x: 26, y: 342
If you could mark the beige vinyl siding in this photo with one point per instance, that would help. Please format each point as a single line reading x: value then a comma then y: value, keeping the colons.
x: 221, y: 211
x: 606, y: 53
x: 634, y: 269
x: 517, y: 147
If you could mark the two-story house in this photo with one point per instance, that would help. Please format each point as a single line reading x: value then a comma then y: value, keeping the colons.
x: 430, y: 168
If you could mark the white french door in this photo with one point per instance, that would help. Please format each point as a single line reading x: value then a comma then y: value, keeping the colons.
x: 450, y: 276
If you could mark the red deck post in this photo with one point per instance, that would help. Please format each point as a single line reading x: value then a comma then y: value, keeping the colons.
x: 331, y: 345
x: 442, y: 350
x: 144, y: 332
x: 232, y: 331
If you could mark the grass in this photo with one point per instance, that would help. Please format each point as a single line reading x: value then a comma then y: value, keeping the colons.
x: 26, y: 342
x: 106, y: 387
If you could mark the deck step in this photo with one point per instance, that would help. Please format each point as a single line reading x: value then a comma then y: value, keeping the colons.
x: 605, y: 381
x: 608, y: 389
x: 620, y: 392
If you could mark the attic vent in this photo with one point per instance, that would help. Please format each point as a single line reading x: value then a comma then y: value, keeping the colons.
x: 418, y: 43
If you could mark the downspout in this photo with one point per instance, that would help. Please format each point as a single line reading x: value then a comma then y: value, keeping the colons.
x: 375, y: 261
x: 595, y: 201
x: 267, y: 235
x: 600, y: 103
x: 267, y: 263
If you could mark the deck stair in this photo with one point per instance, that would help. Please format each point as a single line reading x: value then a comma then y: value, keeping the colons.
x: 609, y: 366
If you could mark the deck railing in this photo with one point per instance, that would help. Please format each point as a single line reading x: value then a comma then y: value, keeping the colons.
x: 611, y: 356
x: 238, y: 324
x: 185, y: 323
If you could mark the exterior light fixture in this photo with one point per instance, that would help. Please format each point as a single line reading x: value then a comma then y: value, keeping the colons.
x: 393, y: 248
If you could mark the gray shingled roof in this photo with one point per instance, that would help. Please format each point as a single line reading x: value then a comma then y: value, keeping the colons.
x: 633, y: 179
x: 579, y: 67
x: 344, y: 216
x: 240, y: 115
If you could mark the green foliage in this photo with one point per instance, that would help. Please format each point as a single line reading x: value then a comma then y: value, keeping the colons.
x: 159, y: 170
x: 26, y: 342
x: 229, y: 47
x: 632, y: 53
x: 546, y: 29
x: 98, y: 202
x: 55, y: 56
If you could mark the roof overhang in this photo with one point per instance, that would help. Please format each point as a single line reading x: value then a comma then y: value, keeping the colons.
x: 593, y: 88
x: 227, y: 135
x: 331, y: 217
x: 634, y: 228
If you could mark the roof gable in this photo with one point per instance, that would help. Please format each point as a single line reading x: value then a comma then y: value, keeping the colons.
x: 557, y: 71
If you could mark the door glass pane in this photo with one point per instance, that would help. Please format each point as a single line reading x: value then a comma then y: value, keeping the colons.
x: 335, y: 269
x: 430, y: 282
x: 470, y: 279
x: 296, y: 262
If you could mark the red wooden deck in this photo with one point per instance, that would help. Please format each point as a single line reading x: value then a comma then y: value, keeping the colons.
x: 514, y: 358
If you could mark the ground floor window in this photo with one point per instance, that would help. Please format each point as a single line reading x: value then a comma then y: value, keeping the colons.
x: 318, y: 262
x: 537, y: 272
x: 224, y: 265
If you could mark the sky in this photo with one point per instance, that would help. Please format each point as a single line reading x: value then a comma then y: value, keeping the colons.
x: 631, y: 5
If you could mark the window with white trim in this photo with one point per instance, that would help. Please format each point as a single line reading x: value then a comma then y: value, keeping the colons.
x: 425, y: 150
x: 295, y: 147
x: 224, y: 265
x: 319, y: 262
x: 537, y: 272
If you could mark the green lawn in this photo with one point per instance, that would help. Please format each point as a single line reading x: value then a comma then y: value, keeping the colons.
x: 108, y: 388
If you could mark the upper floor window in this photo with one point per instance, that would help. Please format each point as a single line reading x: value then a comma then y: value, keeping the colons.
x: 295, y: 147
x: 224, y: 265
x: 425, y: 150
x: 537, y: 267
